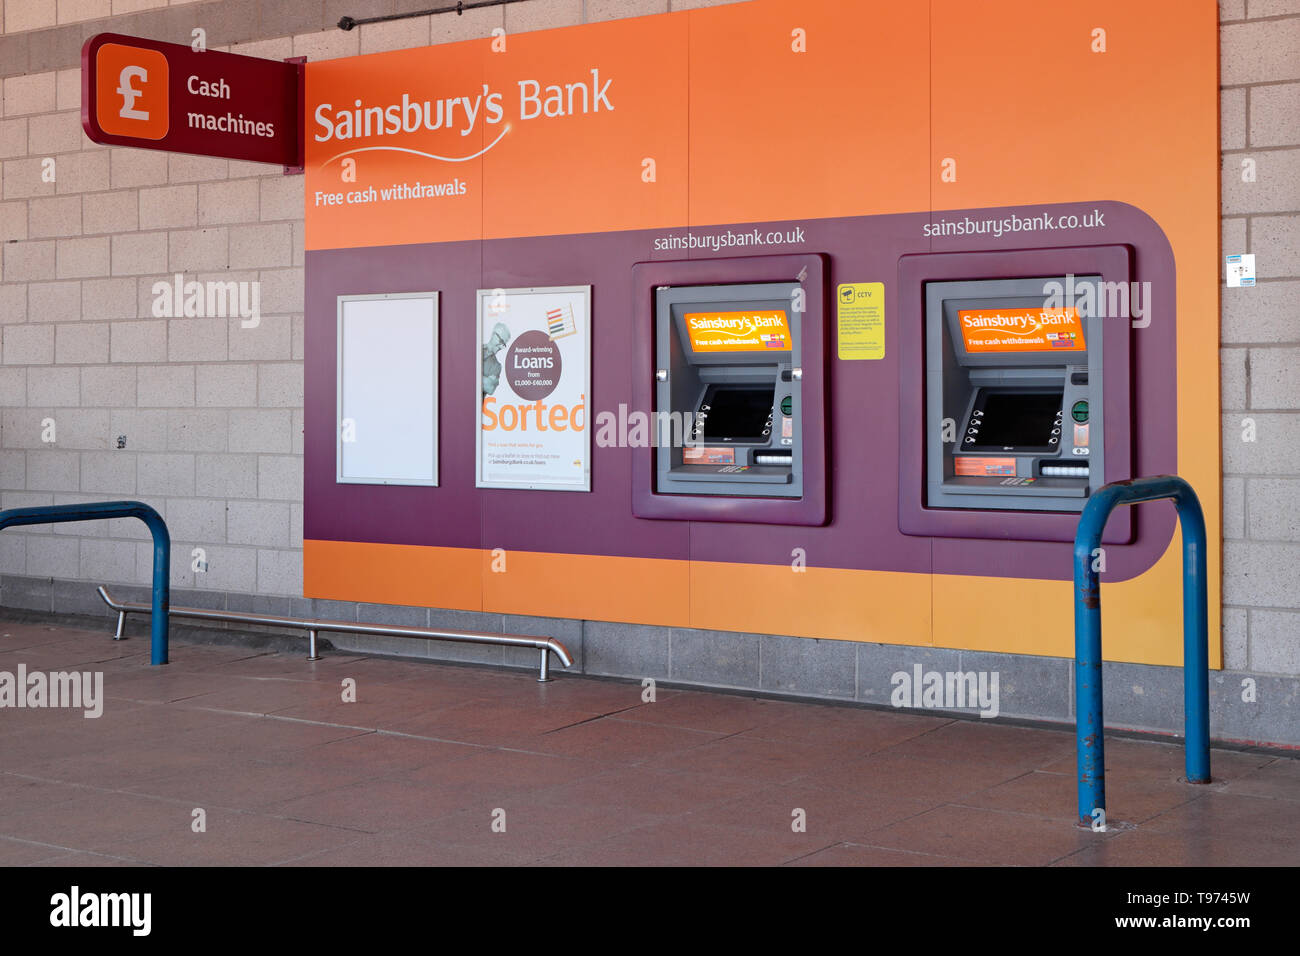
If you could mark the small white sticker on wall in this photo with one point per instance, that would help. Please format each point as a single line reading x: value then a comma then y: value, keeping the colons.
x: 1240, y: 270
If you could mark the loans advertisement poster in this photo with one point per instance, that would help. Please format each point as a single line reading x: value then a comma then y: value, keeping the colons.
x: 534, y: 382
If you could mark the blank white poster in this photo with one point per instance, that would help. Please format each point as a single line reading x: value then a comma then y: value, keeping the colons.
x: 388, y: 389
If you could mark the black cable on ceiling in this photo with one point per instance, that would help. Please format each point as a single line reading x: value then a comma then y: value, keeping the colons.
x: 347, y: 23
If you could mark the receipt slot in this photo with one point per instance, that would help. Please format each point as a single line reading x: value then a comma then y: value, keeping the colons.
x: 736, y: 395
x: 1022, y: 393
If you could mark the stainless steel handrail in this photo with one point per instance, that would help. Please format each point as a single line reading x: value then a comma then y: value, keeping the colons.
x: 312, y: 627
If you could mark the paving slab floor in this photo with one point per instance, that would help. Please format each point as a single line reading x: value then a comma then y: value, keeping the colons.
x: 235, y: 756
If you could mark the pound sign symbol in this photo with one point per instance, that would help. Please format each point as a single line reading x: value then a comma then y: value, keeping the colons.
x: 130, y: 94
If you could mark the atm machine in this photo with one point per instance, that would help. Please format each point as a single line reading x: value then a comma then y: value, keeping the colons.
x: 736, y: 390
x: 729, y: 364
x: 1020, y: 396
x: 1014, y: 394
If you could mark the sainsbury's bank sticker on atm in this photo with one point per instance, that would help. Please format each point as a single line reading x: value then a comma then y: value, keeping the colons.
x: 738, y: 331
x: 1021, y: 330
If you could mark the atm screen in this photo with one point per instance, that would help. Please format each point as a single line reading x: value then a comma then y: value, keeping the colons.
x: 1017, y: 419
x: 736, y: 414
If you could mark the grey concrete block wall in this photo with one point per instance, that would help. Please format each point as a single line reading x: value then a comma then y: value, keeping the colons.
x: 1260, y: 73
x: 210, y: 413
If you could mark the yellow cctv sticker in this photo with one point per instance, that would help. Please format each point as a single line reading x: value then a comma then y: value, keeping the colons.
x: 860, y: 320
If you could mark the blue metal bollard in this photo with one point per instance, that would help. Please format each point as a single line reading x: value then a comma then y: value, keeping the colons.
x: 1089, y: 727
x: 162, y: 549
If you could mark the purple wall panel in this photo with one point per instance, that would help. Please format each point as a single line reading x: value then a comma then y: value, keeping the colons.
x: 863, y: 416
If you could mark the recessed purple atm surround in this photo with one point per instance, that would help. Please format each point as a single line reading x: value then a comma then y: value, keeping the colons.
x: 1114, y: 264
x: 812, y: 508
x: 862, y: 434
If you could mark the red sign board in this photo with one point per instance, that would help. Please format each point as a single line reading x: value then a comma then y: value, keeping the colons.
x: 154, y: 95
